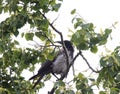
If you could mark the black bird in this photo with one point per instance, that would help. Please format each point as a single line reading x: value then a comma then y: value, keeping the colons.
x: 56, y: 66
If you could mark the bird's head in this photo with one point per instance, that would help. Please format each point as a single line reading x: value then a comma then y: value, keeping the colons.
x: 68, y: 45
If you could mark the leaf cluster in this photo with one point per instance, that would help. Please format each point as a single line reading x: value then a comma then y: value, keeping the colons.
x: 85, y: 36
x: 110, y: 72
x: 14, y: 59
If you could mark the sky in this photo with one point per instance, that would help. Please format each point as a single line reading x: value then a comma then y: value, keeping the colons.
x: 102, y: 13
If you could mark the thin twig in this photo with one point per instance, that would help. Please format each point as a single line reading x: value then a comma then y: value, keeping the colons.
x: 47, y: 38
x: 72, y: 62
x: 43, y: 46
x: 55, y: 19
x: 73, y: 69
x: 70, y: 81
x: 88, y: 63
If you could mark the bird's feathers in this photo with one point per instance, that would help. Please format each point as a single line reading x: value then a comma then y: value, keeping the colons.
x: 58, y: 65
x: 46, y: 68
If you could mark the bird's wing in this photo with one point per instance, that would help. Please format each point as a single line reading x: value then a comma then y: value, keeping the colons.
x: 44, y: 70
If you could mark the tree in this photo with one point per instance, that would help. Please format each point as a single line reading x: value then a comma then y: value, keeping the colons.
x: 14, y: 59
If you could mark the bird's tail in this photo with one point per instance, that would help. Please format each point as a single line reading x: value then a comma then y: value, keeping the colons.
x: 33, y: 77
x: 37, y: 82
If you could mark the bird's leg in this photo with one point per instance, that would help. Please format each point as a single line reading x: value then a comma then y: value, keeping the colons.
x: 55, y: 76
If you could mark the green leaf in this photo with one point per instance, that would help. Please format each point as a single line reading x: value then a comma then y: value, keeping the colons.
x: 29, y: 36
x: 73, y: 11
x: 103, y: 61
x: 56, y: 7
x: 22, y: 34
x: 1, y: 62
x: 69, y: 92
x: 118, y: 77
x: 58, y: 91
x: 94, y: 40
x: 91, y: 27
x: 30, y: 21
x: 81, y: 76
x: 88, y: 27
x: 101, y: 75
x: 108, y: 31
x: 40, y: 36
x: 16, y: 33
x: 103, y: 41
x: 16, y: 42
x: 47, y: 77
x: 94, y: 49
x: 105, y: 36
x: 102, y: 92
x: 114, y: 90
x: 4, y: 91
x: 80, y: 86
x: 76, y: 25
x: 60, y: 83
x: 42, y: 25
x: 82, y: 46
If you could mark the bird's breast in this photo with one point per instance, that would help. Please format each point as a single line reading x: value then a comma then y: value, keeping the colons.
x: 60, y: 64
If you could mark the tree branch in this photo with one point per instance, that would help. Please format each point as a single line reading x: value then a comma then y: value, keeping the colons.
x: 88, y: 63
x: 52, y: 90
x: 55, y: 19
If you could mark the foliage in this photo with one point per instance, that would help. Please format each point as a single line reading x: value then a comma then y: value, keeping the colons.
x: 86, y: 38
x: 14, y: 59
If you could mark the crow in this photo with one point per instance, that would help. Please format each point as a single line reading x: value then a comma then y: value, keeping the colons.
x: 58, y: 65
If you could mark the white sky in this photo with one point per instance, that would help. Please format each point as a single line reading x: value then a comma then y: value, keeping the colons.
x: 102, y: 13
